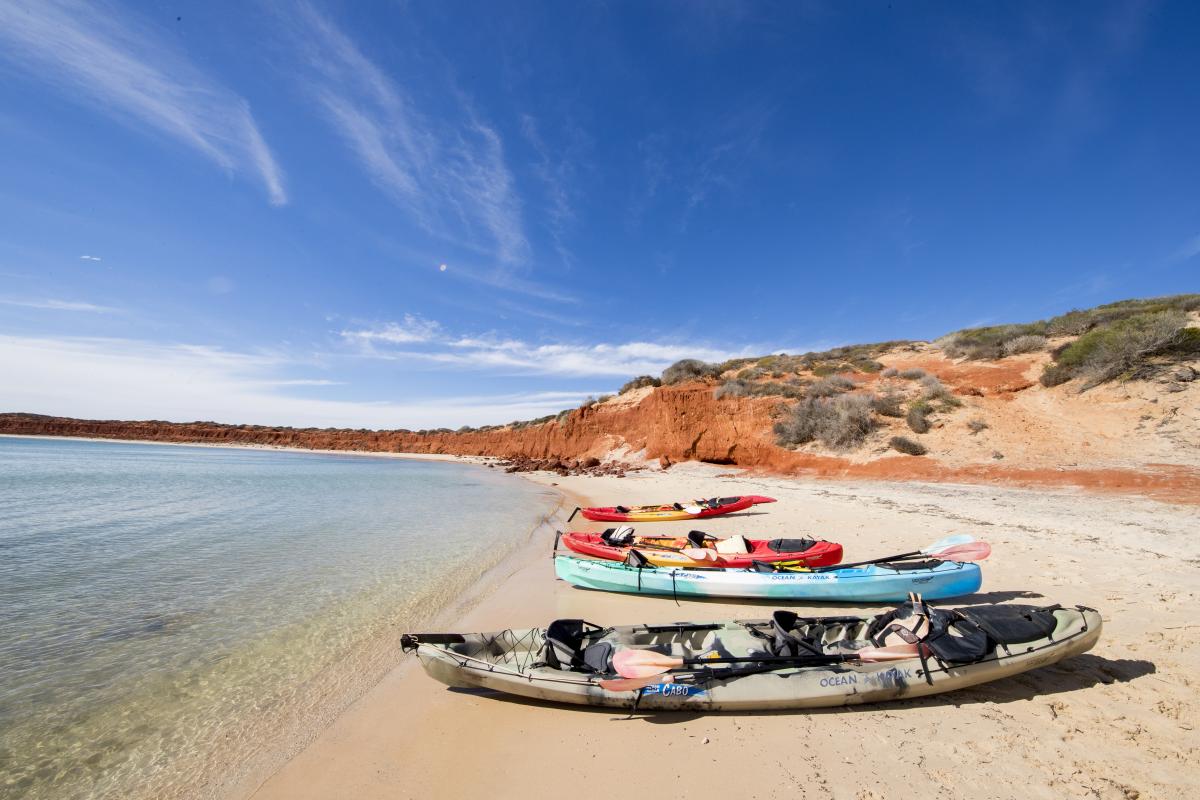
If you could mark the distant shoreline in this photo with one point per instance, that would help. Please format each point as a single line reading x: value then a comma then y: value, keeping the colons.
x: 267, y: 447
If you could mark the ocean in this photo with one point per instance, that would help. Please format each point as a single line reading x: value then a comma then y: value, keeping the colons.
x: 171, y: 617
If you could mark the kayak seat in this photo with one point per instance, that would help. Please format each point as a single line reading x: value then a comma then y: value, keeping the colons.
x: 902, y: 566
x: 677, y: 506
x: 787, y: 640
x: 1013, y: 624
x: 622, y: 509
x: 565, y: 649
x: 617, y: 537
x: 791, y: 545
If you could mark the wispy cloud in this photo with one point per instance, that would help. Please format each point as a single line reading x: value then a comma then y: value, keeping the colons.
x: 714, y: 164
x: 90, y: 258
x: 129, y: 379
x: 449, y: 173
x: 121, y: 66
x: 1189, y: 249
x: 58, y: 305
x: 508, y: 355
x: 557, y: 172
x: 412, y: 329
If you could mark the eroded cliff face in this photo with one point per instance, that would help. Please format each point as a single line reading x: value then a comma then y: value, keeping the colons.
x: 679, y: 422
x: 1132, y: 438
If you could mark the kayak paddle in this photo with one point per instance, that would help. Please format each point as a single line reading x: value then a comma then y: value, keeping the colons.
x: 962, y: 547
x: 637, y: 665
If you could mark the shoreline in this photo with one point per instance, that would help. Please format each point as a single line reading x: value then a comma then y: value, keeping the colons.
x: 412, y: 737
x: 270, y: 448
x: 475, y: 592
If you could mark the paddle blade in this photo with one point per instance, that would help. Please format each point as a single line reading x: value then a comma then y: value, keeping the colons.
x: 949, y: 541
x: 699, y: 554
x: 895, y: 652
x: 975, y: 551
x: 643, y: 663
x: 626, y: 684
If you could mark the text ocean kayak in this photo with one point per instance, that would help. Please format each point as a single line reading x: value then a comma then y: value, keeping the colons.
x: 695, y: 509
x: 662, y: 551
x: 867, y: 584
x: 566, y: 662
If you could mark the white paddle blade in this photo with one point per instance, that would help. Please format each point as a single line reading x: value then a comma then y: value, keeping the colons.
x: 949, y: 541
x: 975, y: 551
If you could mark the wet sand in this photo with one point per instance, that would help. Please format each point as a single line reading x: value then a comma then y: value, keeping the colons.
x: 1118, y: 722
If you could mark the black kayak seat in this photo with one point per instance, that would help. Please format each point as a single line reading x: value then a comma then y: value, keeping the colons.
x: 1013, y: 624
x: 564, y: 646
x: 791, y: 545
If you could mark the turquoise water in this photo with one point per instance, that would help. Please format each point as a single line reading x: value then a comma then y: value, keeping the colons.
x: 172, y: 614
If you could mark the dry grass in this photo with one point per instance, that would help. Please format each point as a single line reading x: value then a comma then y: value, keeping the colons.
x: 839, y: 422
x: 906, y: 445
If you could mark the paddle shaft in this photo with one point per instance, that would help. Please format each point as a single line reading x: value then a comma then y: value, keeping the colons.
x: 883, y: 560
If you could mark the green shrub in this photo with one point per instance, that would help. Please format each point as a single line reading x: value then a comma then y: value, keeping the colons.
x: 906, y: 445
x: 890, y: 372
x: 838, y: 422
x: 913, y: 374
x: 689, y: 369
x: 640, y: 382
x: 1077, y: 323
x: 1126, y: 347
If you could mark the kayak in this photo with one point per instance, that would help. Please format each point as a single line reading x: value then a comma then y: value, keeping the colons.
x: 872, y: 583
x: 695, y: 509
x: 735, y: 551
x: 787, y: 662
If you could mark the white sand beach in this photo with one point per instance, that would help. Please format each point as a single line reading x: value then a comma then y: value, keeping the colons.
x: 1118, y: 722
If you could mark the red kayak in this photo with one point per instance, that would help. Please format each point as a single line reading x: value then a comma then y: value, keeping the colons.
x: 736, y: 551
x: 696, y: 509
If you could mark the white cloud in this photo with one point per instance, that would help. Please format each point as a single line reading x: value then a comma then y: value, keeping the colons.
x: 58, y: 305
x: 96, y: 378
x: 516, y: 356
x: 412, y: 329
x: 124, y: 68
x: 90, y: 258
x: 450, y: 173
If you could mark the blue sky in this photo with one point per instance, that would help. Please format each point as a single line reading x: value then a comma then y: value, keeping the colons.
x: 421, y: 214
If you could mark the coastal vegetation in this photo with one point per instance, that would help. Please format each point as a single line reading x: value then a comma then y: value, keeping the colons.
x: 1122, y: 340
x: 908, y: 446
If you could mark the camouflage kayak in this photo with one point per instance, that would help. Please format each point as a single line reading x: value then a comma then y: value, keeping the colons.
x: 786, y: 662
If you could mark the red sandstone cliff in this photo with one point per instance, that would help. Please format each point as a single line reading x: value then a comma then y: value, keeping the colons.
x: 1129, y: 437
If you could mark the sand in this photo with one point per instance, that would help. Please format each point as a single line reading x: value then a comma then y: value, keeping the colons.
x: 1119, y: 722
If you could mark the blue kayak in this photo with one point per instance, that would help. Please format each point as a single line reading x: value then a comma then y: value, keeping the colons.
x: 875, y: 583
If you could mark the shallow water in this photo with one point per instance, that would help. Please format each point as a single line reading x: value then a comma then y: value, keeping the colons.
x: 170, y: 614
